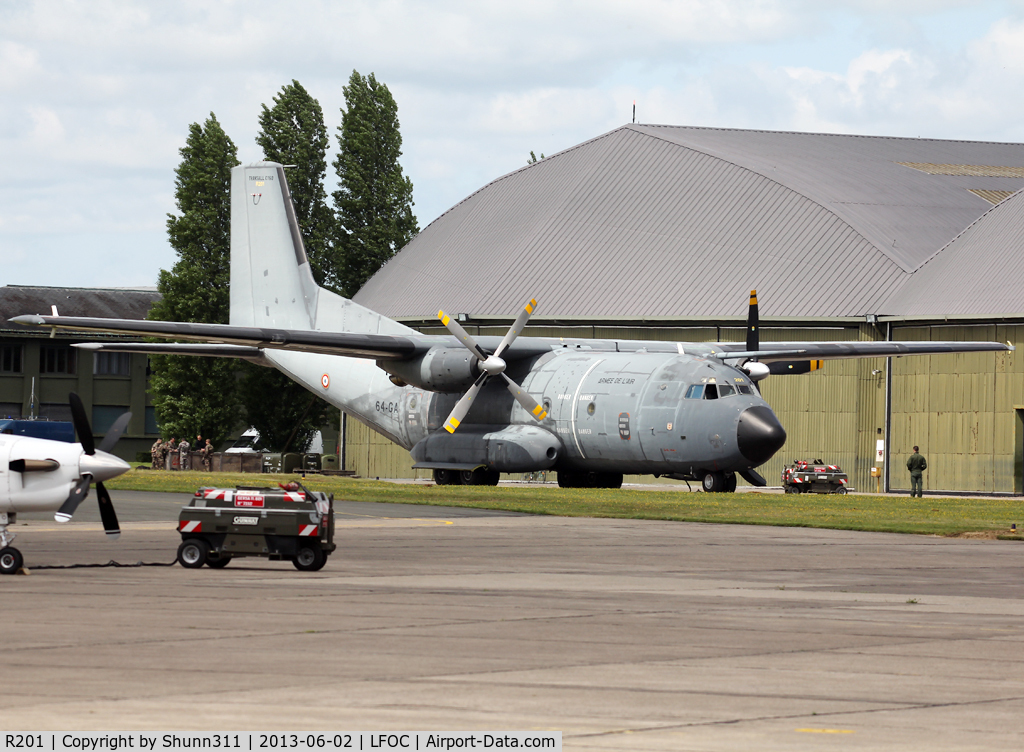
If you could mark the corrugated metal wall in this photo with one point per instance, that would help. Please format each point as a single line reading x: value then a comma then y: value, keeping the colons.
x: 960, y: 409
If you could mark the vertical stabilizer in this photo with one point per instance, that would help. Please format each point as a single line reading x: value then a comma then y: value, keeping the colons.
x: 271, y: 283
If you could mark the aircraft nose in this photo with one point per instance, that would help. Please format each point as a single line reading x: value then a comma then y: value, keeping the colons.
x: 102, y: 466
x: 759, y: 434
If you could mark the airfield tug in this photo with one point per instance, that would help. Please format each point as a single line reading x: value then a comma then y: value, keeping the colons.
x: 291, y: 523
x: 814, y: 476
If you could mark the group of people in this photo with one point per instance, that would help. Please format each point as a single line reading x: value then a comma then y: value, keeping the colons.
x: 161, y: 449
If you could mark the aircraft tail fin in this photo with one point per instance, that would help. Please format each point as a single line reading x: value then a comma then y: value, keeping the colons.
x: 272, y: 285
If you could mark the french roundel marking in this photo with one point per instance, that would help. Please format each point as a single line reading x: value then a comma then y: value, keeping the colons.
x: 325, y: 380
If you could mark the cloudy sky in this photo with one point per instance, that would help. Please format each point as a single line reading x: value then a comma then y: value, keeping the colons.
x: 96, y: 96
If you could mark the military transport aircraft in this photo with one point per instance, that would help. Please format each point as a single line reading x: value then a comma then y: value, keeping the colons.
x: 471, y: 408
x: 41, y: 475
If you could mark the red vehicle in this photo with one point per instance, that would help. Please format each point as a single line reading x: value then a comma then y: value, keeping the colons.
x: 814, y: 476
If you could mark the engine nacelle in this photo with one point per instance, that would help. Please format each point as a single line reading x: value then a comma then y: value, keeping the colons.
x: 440, y: 370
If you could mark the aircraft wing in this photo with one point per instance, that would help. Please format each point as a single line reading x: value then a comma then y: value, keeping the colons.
x: 372, y: 346
x: 786, y: 351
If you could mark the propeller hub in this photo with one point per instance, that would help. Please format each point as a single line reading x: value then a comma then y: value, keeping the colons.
x: 102, y: 466
x: 493, y: 365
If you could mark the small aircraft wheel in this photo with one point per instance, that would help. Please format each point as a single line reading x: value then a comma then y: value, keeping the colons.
x: 730, y: 483
x: 445, y: 477
x: 310, y: 559
x: 713, y: 482
x: 193, y: 553
x: 219, y: 563
x: 10, y: 560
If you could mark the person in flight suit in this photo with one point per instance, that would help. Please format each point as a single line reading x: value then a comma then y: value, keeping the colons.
x: 917, y: 464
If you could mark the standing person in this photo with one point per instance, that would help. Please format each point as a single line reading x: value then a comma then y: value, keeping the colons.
x: 917, y: 464
x: 171, y: 447
x: 183, y: 455
x: 155, y: 453
x: 207, y: 456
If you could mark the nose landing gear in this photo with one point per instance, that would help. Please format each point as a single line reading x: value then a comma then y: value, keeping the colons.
x: 11, y: 559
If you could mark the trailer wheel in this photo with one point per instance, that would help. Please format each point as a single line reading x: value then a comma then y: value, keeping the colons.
x: 841, y: 490
x: 193, y: 553
x: 10, y: 560
x: 310, y: 559
x: 219, y: 563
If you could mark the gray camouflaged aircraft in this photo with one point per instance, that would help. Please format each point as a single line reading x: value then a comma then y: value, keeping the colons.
x: 472, y: 408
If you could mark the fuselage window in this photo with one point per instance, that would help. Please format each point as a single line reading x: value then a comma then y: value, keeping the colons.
x: 743, y: 389
x: 695, y: 391
x: 725, y: 390
x: 711, y: 391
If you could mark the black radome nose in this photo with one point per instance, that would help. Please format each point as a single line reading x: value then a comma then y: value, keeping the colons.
x: 759, y: 434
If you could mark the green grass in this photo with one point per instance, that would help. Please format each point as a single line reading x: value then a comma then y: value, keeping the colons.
x: 895, y: 514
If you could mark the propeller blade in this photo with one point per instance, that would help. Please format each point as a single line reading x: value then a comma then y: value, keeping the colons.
x: 517, y: 327
x: 107, y: 514
x: 524, y: 399
x: 115, y: 432
x: 77, y: 495
x: 455, y: 328
x: 753, y: 335
x: 81, y: 424
x: 458, y: 413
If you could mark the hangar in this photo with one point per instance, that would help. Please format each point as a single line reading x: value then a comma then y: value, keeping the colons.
x: 659, y: 232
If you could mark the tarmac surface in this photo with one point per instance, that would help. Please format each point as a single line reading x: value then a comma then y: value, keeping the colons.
x: 624, y: 635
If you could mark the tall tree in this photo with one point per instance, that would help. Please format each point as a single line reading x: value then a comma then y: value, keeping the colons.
x: 197, y: 395
x: 292, y: 132
x: 373, y: 202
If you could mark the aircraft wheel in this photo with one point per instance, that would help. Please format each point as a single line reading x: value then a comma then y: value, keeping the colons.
x: 193, y: 553
x: 10, y: 560
x: 310, y: 559
x: 713, y: 482
x: 730, y: 483
x: 479, y: 477
x: 219, y: 563
x: 606, y: 480
x: 445, y: 477
x: 568, y: 479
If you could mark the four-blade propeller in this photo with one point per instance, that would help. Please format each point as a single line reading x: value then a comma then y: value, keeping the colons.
x: 96, y: 466
x: 490, y: 365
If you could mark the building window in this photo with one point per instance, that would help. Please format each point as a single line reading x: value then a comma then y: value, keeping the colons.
x: 151, y: 424
x: 62, y: 360
x: 104, y: 416
x: 111, y: 364
x: 10, y: 359
x: 10, y: 410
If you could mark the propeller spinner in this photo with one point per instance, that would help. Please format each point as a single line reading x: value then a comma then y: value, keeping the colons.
x: 490, y: 366
x: 96, y: 466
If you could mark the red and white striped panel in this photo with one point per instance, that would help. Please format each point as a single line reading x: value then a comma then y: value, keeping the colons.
x: 294, y: 496
x: 190, y: 526
x: 217, y: 493
x: 308, y: 530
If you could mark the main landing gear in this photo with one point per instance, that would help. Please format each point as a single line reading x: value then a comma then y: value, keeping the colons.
x: 11, y: 559
x: 479, y: 477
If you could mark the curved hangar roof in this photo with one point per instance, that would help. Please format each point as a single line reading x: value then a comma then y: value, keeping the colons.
x: 671, y: 221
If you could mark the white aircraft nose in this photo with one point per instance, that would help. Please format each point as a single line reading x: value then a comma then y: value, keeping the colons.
x: 102, y: 466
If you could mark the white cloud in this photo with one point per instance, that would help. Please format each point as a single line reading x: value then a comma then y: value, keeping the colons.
x: 96, y: 97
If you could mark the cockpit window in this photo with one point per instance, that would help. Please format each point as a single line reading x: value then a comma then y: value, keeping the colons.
x: 711, y: 391
x: 695, y: 391
x: 744, y: 389
x: 725, y: 390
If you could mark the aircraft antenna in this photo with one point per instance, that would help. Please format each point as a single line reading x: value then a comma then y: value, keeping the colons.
x: 634, y: 112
